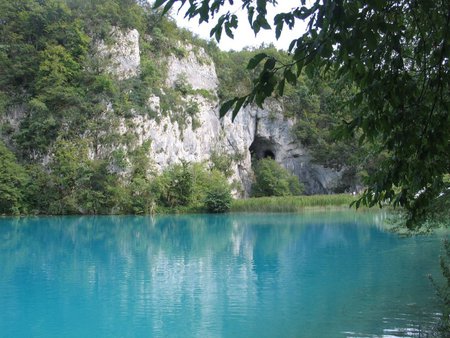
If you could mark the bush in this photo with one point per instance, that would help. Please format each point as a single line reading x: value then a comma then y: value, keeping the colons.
x: 222, y: 162
x: 443, y: 291
x: 13, y: 180
x: 175, y: 186
x: 271, y: 179
x: 192, y: 187
x: 218, y: 199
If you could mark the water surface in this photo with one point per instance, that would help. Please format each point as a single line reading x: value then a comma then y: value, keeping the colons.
x: 243, y: 275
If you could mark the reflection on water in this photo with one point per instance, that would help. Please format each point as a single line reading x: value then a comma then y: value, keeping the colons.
x: 244, y: 275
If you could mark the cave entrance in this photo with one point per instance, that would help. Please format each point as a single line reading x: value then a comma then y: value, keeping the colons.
x: 262, y: 148
x: 269, y: 154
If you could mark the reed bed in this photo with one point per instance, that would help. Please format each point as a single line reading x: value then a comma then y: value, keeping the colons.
x: 290, y: 203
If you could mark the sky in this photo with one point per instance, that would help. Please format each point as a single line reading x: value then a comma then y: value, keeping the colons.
x: 244, y: 36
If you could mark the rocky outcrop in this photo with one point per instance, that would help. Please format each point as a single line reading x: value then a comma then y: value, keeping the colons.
x: 267, y: 133
x: 255, y: 133
x: 170, y: 142
x: 196, y: 68
x: 120, y: 54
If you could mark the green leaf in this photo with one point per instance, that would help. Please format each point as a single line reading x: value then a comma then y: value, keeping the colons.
x: 259, y: 99
x: 371, y: 38
x: 256, y: 27
x: 228, y: 31
x: 279, y: 18
x: 278, y: 30
x: 251, y: 12
x: 326, y: 51
x: 270, y: 64
x: 262, y: 22
x: 378, y: 4
x: 217, y: 29
x: 226, y: 106
x: 261, y: 5
x: 290, y: 77
x: 168, y: 7
x: 292, y: 45
x: 281, y: 87
x: 299, y: 66
x: 254, y: 61
x: 218, y: 34
x: 238, y: 106
x: 234, y: 21
x: 204, y: 13
x: 213, y: 31
x: 158, y: 3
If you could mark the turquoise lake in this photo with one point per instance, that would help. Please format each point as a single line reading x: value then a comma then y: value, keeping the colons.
x: 331, y: 274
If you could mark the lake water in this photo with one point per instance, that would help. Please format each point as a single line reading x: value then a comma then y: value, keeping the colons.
x: 336, y: 274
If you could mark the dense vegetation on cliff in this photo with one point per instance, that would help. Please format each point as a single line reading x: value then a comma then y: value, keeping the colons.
x: 396, y: 56
x: 60, y: 109
x: 54, y: 112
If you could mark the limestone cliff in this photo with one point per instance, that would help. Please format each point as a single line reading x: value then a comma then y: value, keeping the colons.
x: 121, y: 55
x: 174, y: 135
x: 255, y: 133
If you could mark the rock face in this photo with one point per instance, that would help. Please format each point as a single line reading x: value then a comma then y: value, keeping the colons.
x: 196, y: 68
x: 171, y: 143
x: 256, y: 133
x: 121, y: 56
x: 267, y: 133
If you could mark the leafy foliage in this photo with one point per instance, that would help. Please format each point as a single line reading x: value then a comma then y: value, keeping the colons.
x: 176, y: 185
x: 218, y: 199
x: 271, y: 179
x: 316, y: 104
x: 70, y: 108
x: 13, y: 180
x: 192, y: 185
x: 443, y: 291
x: 73, y: 108
x: 222, y: 161
x: 76, y: 181
x: 48, y: 67
x: 395, y: 54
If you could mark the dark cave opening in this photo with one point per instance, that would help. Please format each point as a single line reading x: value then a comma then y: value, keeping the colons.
x: 262, y: 148
x: 269, y: 154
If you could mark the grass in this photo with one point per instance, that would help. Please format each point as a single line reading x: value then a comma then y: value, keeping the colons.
x: 290, y: 203
x: 272, y: 204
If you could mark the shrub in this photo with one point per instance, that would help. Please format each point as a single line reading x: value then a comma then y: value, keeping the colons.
x: 218, y: 199
x: 443, y: 291
x: 222, y: 162
x: 13, y: 180
x: 175, y: 185
x: 271, y: 179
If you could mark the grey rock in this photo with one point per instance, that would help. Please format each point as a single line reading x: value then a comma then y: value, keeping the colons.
x: 255, y: 133
x: 196, y: 68
x: 122, y: 56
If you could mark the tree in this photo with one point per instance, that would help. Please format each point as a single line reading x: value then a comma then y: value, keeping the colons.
x: 176, y: 185
x: 271, y: 179
x: 395, y: 54
x: 215, y: 189
x: 218, y: 199
x: 13, y: 180
x: 443, y: 291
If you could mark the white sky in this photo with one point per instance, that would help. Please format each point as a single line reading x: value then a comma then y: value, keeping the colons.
x: 243, y: 35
